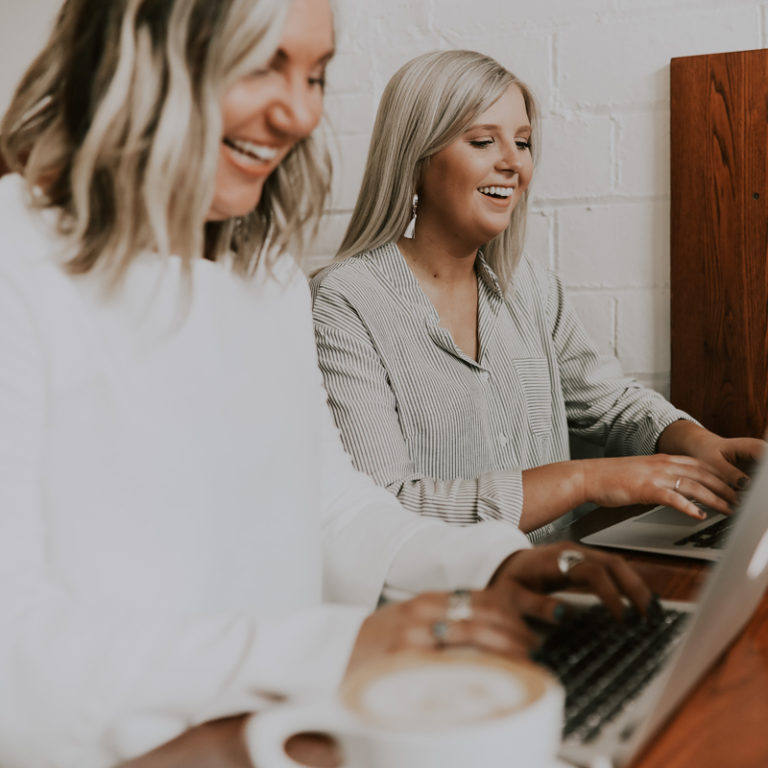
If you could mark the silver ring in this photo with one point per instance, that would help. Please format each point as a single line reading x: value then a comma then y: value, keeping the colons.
x: 459, y: 606
x: 567, y: 559
x: 440, y: 632
x: 677, y: 483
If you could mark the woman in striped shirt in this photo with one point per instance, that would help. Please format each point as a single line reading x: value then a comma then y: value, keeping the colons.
x: 455, y: 365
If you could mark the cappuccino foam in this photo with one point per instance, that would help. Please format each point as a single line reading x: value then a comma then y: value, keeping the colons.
x: 443, y: 691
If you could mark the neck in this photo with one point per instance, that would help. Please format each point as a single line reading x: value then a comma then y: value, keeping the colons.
x: 439, y: 260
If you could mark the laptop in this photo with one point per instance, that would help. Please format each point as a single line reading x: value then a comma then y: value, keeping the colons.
x: 667, y: 531
x: 656, y: 677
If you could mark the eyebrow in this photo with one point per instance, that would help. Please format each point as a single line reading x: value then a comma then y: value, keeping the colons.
x: 281, y: 55
x: 494, y: 127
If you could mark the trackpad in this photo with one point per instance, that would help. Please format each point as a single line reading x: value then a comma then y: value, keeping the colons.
x: 667, y: 516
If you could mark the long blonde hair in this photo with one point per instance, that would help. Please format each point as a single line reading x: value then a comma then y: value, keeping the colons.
x: 118, y: 122
x: 426, y: 105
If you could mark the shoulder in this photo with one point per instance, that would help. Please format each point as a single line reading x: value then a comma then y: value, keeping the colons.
x: 533, y: 281
x: 350, y: 277
x: 32, y: 251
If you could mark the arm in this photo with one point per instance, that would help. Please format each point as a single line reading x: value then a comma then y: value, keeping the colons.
x: 89, y: 684
x: 365, y: 409
x: 609, y: 409
x: 602, y: 405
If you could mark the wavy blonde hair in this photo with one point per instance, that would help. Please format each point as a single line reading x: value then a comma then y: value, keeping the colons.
x: 117, y: 124
x: 429, y: 103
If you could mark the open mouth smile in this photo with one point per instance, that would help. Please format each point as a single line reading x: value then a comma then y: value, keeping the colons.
x: 500, y: 193
x: 251, y: 150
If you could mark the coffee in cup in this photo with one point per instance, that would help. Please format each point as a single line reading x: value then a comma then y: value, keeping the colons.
x: 448, y: 709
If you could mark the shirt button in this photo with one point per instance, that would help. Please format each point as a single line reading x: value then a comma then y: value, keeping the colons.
x: 484, y: 375
x: 502, y: 438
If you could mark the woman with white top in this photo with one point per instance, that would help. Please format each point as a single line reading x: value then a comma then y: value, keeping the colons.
x: 455, y: 365
x: 182, y: 537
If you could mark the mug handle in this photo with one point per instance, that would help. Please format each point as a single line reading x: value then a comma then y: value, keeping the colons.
x: 266, y: 732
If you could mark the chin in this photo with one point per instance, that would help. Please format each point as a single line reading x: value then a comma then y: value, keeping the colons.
x: 233, y: 207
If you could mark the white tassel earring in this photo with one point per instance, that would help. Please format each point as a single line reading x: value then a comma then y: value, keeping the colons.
x: 410, y: 230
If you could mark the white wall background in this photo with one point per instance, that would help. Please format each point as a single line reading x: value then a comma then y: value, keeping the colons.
x: 600, y: 70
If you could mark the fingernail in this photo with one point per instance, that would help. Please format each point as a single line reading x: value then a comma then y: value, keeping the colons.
x: 559, y: 612
x: 743, y: 483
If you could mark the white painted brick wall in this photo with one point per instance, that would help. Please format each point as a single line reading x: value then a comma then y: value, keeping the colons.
x: 600, y: 70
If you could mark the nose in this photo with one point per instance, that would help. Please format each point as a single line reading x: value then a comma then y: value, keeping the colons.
x: 297, y: 110
x: 511, y: 158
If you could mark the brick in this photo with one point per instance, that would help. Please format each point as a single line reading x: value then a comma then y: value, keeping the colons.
x: 627, y: 61
x: 614, y: 246
x: 349, y: 154
x: 329, y: 237
x: 596, y: 310
x: 503, y: 14
x: 643, y: 330
x: 528, y: 56
x: 350, y: 72
x: 350, y: 112
x: 575, y: 158
x: 23, y: 33
x: 643, y: 154
x: 539, y: 236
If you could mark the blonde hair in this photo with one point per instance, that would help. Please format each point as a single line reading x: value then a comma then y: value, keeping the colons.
x: 426, y: 105
x: 117, y: 123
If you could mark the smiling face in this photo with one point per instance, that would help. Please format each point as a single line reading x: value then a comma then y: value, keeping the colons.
x: 469, y: 189
x: 265, y: 113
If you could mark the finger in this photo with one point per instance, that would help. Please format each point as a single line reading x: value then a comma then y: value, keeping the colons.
x: 735, y: 477
x: 486, y: 608
x: 591, y: 573
x: 744, y: 451
x: 535, y: 605
x: 492, y: 638
x: 691, y: 489
x: 628, y: 581
x: 712, y: 478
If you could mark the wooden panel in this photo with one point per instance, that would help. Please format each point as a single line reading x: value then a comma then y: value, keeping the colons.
x: 719, y: 246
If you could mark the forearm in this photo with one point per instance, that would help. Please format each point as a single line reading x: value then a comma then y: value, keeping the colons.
x: 551, y: 490
x: 682, y: 437
x: 221, y: 744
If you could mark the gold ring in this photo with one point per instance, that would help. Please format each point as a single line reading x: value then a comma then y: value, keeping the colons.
x: 677, y: 483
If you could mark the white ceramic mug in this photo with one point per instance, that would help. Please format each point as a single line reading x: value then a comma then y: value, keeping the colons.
x: 451, y: 709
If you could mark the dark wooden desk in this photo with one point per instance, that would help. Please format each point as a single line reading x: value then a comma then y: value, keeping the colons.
x: 723, y: 723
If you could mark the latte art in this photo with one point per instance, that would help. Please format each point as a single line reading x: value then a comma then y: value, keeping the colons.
x: 442, y: 691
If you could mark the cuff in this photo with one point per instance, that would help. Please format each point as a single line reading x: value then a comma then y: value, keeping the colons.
x: 500, y: 496
x: 442, y: 558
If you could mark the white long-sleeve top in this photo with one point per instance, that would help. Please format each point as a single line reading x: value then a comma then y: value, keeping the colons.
x: 177, y: 515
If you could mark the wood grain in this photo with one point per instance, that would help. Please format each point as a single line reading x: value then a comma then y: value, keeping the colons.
x: 719, y: 240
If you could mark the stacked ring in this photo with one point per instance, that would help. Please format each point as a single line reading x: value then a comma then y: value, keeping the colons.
x: 459, y: 606
x: 440, y: 632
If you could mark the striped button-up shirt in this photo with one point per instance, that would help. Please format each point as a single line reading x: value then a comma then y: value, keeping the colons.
x: 450, y: 435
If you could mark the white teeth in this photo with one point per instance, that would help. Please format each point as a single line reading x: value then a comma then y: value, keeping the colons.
x: 259, y: 151
x: 497, y: 191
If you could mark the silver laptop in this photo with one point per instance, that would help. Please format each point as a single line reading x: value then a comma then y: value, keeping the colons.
x: 702, y: 633
x: 667, y: 531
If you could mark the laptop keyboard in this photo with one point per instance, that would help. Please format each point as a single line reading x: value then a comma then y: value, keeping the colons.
x: 712, y: 536
x: 603, y: 663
